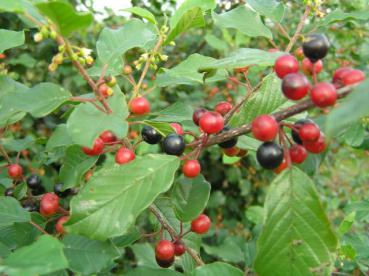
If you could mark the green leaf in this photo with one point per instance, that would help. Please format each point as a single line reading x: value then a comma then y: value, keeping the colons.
x: 10, y: 39
x: 249, y: 143
x: 266, y: 100
x: 23, y: 59
x: 255, y: 214
x: 123, y: 192
x: 11, y: 212
x: 144, y: 255
x: 59, y: 138
x: 189, y: 197
x: 217, y: 269
x: 229, y: 250
x: 270, y: 8
x: 163, y: 128
x: 41, y: 99
x: 17, y: 144
x: 352, y: 108
x: 339, y: 15
x: 144, y: 13
x: 63, y: 15
x: 361, y: 208
x: 153, y: 272
x: 187, y: 72
x: 354, y: 136
x: 347, y: 223
x: 112, y: 44
x: 297, y: 238
x: 43, y: 256
x: 216, y: 42
x: 8, y: 113
x: 12, y: 5
x: 241, y: 58
x: 75, y: 164
x: 244, y: 20
x: 86, y: 122
x: 177, y: 112
x: 132, y: 235
x: 20, y: 191
x: 88, y: 256
x: 228, y: 160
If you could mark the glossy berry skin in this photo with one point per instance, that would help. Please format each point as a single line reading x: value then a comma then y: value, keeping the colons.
x: 191, y: 168
x: 108, y: 137
x: 38, y: 191
x: 15, y: 171
x: 59, y: 224
x: 177, y: 128
x: 229, y: 143
x: 281, y: 167
x: 295, y: 135
x: 234, y: 151
x: 49, y: 204
x: 298, y: 153
x: 264, y: 128
x: 174, y: 144
x: 150, y: 135
x: 323, y: 94
x: 103, y: 90
x: 33, y: 181
x: 96, y: 149
x: 285, y: 65
x: 164, y: 263
x: 198, y: 114
x: 352, y: 77
x: 295, y: 86
x: 307, y: 66
x: 211, y: 122
x: 60, y: 192
x: 315, y: 46
x: 338, y: 75
x: 269, y: 155
x: 317, y: 146
x: 179, y: 248
x: 139, y: 106
x: 9, y: 192
x: 164, y: 250
x: 223, y: 108
x: 124, y: 156
x: 201, y: 224
x: 309, y: 132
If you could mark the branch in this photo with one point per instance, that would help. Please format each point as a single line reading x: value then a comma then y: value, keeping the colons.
x: 38, y: 227
x: 298, y: 29
x: 173, y: 234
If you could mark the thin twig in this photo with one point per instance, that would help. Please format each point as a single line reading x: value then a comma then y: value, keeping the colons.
x: 5, y: 154
x: 298, y: 29
x: 282, y: 30
x: 38, y: 227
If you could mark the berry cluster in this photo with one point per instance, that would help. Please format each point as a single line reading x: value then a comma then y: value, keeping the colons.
x: 165, y: 250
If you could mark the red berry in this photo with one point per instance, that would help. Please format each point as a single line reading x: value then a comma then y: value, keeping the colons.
x: 15, y: 171
x: 295, y: 86
x: 139, y: 106
x: 233, y: 151
x: 281, y: 167
x: 352, y: 77
x: 124, y: 156
x: 191, y: 168
x: 264, y: 128
x: 299, y: 53
x: 201, y: 224
x: 164, y: 250
x: 223, y: 108
x: 317, y: 146
x: 298, y: 153
x: 97, y: 148
x: 103, y: 90
x: 177, y: 128
x: 338, y: 75
x: 211, y: 122
x: 179, y: 248
x: 286, y: 64
x: 323, y: 94
x: 108, y: 137
x: 309, y: 132
x: 49, y: 204
x: 307, y: 66
x: 198, y: 114
x: 59, y: 224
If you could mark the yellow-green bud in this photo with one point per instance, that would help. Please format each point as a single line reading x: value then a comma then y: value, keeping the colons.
x: 53, y: 34
x: 128, y: 69
x: 89, y: 60
x: 58, y: 58
x: 53, y: 67
x: 38, y: 37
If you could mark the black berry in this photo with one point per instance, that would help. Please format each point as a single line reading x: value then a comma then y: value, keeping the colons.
x: 59, y: 191
x: 229, y: 143
x: 269, y: 155
x: 150, y: 135
x: 34, y: 181
x: 39, y: 191
x: 9, y: 192
x: 315, y: 46
x: 174, y: 144
x: 164, y: 263
x: 30, y: 206
x: 295, y: 134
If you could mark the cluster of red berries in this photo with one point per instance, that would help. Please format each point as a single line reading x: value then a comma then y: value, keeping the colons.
x: 165, y: 250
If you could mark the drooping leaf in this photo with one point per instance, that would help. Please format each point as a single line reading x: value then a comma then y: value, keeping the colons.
x: 339, y: 15
x: 244, y: 20
x: 11, y: 212
x: 59, y: 138
x: 217, y: 269
x: 270, y: 8
x: 187, y: 72
x: 88, y: 256
x: 144, y: 13
x: 297, y: 238
x: 123, y: 192
x: 189, y: 197
x: 63, y: 15
x: 75, y: 164
x: 10, y: 39
x: 177, y: 112
x: 86, y: 122
x: 43, y: 256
